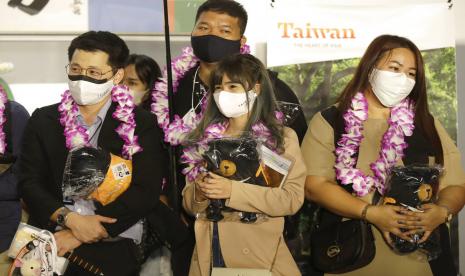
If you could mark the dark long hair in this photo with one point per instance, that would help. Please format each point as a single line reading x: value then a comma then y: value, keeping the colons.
x: 380, y: 46
x: 248, y: 71
x: 148, y: 72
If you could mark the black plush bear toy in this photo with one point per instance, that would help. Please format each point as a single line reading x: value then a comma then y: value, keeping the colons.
x: 236, y: 159
x: 412, y: 186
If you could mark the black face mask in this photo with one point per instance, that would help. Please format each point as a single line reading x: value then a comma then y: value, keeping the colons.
x: 212, y: 48
x: 86, y: 78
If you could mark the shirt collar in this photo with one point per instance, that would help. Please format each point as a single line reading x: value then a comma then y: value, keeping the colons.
x: 100, y: 115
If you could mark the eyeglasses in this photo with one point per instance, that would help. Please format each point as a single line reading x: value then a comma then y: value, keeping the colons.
x: 75, y: 70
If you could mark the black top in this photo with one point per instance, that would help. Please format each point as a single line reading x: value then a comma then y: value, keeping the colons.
x: 43, y: 159
x: 10, y: 208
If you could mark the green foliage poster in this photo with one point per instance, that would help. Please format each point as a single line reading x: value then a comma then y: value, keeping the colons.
x: 184, y: 15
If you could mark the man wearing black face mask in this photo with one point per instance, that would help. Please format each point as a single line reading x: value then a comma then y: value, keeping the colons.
x: 218, y: 32
x: 93, y: 112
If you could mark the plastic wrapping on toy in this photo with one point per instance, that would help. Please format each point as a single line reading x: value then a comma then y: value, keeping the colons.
x: 290, y: 111
x: 240, y: 159
x: 92, y: 173
x: 85, y: 170
x: 412, y: 186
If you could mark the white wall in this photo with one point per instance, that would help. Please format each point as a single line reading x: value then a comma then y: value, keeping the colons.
x: 40, y: 63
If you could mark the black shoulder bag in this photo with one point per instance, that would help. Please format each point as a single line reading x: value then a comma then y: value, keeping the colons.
x: 337, y: 245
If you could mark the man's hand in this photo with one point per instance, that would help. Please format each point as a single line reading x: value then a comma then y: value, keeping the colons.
x: 66, y: 242
x: 88, y: 229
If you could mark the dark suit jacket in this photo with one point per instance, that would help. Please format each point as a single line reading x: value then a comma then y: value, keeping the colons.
x: 43, y: 160
x: 10, y: 208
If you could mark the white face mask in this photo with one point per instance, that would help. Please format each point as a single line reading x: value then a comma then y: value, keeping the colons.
x: 233, y: 105
x: 88, y: 93
x: 137, y: 96
x: 389, y: 87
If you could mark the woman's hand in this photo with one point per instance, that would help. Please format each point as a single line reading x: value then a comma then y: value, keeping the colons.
x: 389, y: 219
x: 213, y: 186
x: 199, y: 195
x: 428, y: 220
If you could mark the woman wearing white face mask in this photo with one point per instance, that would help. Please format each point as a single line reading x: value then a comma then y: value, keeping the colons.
x: 349, y: 149
x: 140, y: 75
x: 242, y: 101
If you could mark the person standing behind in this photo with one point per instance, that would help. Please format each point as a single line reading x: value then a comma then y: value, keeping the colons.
x: 96, y: 112
x: 13, y: 119
x: 141, y: 73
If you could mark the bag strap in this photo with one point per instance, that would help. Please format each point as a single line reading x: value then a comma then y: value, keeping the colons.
x: 215, y: 239
x: 334, y: 117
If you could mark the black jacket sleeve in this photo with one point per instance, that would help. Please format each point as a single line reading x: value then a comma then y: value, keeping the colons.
x: 35, y: 171
x: 143, y: 193
x: 285, y: 94
x: 8, y: 180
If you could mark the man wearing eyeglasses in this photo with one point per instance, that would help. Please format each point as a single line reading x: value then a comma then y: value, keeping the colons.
x: 105, y: 236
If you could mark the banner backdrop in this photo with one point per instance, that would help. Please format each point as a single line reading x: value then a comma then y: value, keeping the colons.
x: 302, y: 31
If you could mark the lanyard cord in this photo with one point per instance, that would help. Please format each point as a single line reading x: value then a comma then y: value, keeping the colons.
x: 48, y: 252
x: 95, y: 131
x: 193, y: 91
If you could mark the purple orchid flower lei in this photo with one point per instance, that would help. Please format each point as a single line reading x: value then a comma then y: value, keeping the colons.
x: 401, y: 124
x: 3, y: 101
x: 192, y: 155
x: 179, y: 127
x: 77, y: 135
